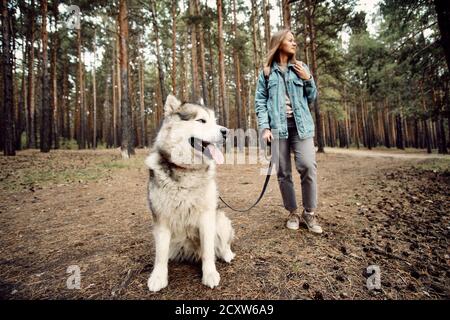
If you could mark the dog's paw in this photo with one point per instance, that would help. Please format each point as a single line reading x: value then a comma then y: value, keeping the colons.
x: 156, y: 282
x: 211, y: 279
x: 228, y: 256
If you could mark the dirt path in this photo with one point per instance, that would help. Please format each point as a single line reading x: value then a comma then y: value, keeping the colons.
x: 88, y: 208
x: 390, y: 154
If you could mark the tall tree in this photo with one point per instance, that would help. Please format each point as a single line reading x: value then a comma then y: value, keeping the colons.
x: 31, y: 107
x: 127, y: 146
x: 310, y: 10
x: 45, y: 139
x: 94, y: 93
x: 8, y: 83
x: 53, y: 71
x: 201, y: 47
x: 174, y: 46
x: 286, y: 9
x: 443, y: 17
x: 158, y: 54
x: 237, y: 69
x: 266, y: 16
x: 222, y: 82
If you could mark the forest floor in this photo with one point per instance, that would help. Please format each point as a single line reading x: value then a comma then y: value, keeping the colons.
x: 88, y: 208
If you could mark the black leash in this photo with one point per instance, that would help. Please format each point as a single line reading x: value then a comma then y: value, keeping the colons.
x: 269, y: 171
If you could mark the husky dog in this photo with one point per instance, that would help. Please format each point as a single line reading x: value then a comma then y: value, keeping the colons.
x: 182, y: 193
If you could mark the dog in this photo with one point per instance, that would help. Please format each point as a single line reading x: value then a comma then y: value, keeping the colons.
x: 182, y: 193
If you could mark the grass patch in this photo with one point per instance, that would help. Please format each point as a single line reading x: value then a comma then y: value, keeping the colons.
x: 435, y: 165
x: 26, y: 178
x: 34, y: 169
x: 135, y: 162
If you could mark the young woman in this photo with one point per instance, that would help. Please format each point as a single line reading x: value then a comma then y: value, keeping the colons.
x: 284, y: 89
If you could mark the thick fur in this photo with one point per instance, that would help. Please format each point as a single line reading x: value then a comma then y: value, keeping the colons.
x: 182, y: 195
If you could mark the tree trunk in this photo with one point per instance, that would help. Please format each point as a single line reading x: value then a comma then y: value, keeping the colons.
x: 65, y: 106
x: 55, y: 109
x: 425, y: 124
x: 400, y: 144
x: 237, y: 71
x: 441, y: 137
x: 94, y: 93
x: 21, y: 112
x: 79, y: 128
x: 174, y: 47
x: 127, y: 147
x: 212, y: 87
x: 356, y: 127
x: 119, y: 88
x: 315, y: 72
x: 8, y: 85
x: 443, y: 16
x: 201, y: 47
x: 183, y: 88
x: 31, y: 107
x: 387, y: 142
x: 107, y: 126
x: 195, y: 90
x: 222, y: 82
x: 286, y: 14
x: 256, y: 60
x: 114, y: 98
x: 142, y: 102
x: 46, y: 139
x: 266, y: 15
x: 158, y: 55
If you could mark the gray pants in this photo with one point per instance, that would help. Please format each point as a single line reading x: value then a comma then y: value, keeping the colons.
x: 305, y: 163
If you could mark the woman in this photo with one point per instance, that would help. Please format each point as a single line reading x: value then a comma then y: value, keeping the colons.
x: 285, y: 87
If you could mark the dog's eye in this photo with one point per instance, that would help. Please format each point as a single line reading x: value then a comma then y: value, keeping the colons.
x: 201, y: 120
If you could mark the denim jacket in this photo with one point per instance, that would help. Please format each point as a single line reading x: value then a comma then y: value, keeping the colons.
x: 270, y: 101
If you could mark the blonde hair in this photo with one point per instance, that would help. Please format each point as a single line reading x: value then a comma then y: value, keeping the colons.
x: 275, y: 42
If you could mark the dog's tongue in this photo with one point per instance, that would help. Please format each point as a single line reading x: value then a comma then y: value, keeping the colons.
x: 215, y: 153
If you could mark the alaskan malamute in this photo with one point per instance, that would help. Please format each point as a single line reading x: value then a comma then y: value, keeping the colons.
x: 182, y: 192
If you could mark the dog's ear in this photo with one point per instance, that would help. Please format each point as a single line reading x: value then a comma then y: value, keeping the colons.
x: 171, y: 105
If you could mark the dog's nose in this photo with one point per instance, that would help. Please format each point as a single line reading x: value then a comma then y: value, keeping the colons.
x: 224, y: 131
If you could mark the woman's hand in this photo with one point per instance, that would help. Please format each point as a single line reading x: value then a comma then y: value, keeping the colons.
x: 267, y: 135
x: 302, y: 71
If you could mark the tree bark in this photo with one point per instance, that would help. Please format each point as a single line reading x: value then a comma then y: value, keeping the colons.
x: 315, y: 72
x: 201, y: 47
x: 8, y: 85
x: 222, y: 82
x: 195, y: 90
x: 55, y: 46
x: 256, y: 59
x: 174, y: 46
x: 286, y: 14
x: 237, y: 71
x: 94, y: 93
x: 31, y: 107
x: 158, y: 55
x: 266, y: 16
x: 143, y: 140
x: 114, y: 98
x: 45, y: 140
x: 443, y: 16
x: 127, y: 147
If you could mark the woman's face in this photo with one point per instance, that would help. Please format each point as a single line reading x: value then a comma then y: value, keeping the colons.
x: 288, y: 44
